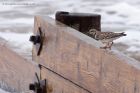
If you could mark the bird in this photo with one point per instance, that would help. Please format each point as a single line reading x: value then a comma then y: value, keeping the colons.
x: 105, y: 37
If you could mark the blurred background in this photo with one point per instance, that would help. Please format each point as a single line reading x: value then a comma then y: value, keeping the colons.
x: 17, y: 21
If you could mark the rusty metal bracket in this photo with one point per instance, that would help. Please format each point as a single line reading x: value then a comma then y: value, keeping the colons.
x: 40, y: 86
x: 37, y: 40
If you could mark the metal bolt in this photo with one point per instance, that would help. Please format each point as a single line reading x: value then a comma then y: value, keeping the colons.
x: 35, y: 39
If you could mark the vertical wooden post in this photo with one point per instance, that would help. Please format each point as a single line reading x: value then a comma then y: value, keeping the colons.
x: 82, y: 22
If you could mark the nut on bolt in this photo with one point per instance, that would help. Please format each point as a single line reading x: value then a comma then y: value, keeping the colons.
x: 35, y: 39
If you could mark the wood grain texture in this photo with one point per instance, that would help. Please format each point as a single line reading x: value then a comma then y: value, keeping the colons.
x: 78, y: 57
x: 15, y: 71
x: 57, y: 84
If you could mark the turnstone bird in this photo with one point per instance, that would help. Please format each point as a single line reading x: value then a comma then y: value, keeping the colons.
x: 105, y: 37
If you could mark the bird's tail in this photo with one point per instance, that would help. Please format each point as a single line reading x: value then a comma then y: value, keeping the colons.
x: 123, y: 34
x: 119, y: 34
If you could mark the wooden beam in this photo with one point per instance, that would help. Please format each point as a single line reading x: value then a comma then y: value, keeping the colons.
x: 58, y: 84
x: 15, y: 72
x: 78, y: 58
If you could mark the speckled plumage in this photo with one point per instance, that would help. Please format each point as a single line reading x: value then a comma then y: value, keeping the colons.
x: 105, y: 37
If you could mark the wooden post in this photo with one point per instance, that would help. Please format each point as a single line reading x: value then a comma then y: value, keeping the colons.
x: 85, y: 67
x: 82, y: 22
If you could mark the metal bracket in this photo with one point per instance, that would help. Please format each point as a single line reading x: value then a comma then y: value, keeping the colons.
x: 38, y: 40
x: 40, y: 86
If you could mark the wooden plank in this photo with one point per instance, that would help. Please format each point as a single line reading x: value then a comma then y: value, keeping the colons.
x: 15, y: 72
x: 78, y: 58
x: 57, y: 84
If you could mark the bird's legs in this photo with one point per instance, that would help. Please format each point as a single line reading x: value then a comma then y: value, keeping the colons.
x: 108, y: 45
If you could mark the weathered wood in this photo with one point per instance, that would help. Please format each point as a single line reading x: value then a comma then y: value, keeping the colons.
x: 57, y: 84
x: 15, y: 71
x: 78, y: 58
x: 82, y: 22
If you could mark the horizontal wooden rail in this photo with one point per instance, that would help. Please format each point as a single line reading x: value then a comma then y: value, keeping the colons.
x: 78, y: 58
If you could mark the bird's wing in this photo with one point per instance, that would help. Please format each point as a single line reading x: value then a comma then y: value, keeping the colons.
x: 109, y: 35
